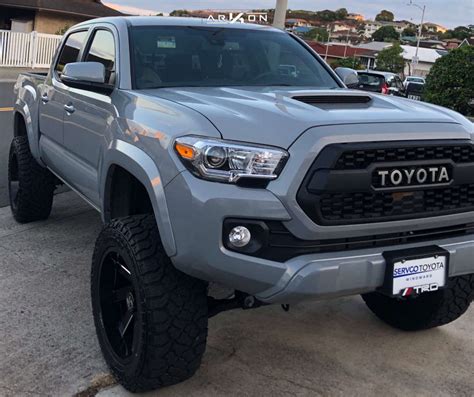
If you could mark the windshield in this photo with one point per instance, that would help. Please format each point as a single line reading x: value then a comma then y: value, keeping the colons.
x: 416, y: 79
x: 371, y: 80
x: 175, y: 56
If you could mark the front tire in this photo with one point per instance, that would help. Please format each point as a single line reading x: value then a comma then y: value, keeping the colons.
x: 30, y: 186
x: 428, y: 310
x: 151, y: 319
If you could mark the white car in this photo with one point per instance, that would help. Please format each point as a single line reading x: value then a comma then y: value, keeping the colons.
x: 413, y: 79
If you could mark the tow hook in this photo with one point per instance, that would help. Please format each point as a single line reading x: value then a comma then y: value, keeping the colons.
x: 239, y: 300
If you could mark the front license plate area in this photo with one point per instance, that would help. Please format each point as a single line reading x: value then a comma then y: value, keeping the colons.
x: 415, y: 271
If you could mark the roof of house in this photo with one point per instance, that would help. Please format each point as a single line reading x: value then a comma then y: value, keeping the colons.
x: 339, y: 51
x: 303, y: 29
x: 375, y: 45
x: 425, y: 55
x: 296, y: 20
x: 83, y: 8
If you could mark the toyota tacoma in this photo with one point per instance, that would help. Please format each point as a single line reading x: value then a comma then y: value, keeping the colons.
x: 232, y: 154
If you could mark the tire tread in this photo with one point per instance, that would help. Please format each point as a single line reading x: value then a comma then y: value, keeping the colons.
x: 427, y: 311
x: 175, y: 322
x: 37, y: 184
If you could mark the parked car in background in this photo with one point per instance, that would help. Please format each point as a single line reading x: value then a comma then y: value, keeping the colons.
x: 413, y: 79
x: 383, y: 82
x: 415, y: 91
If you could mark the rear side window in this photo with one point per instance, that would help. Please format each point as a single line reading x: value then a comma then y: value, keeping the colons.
x: 102, y: 50
x: 370, y: 80
x: 70, y: 51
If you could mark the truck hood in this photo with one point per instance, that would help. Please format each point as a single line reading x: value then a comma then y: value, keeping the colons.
x: 273, y: 115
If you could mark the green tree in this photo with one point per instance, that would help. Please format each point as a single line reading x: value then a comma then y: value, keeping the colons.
x: 390, y: 59
x: 409, y: 32
x: 352, y: 62
x: 179, y: 13
x: 63, y: 30
x: 450, y: 82
x: 385, y: 15
x: 326, y: 15
x: 386, y: 33
x: 341, y: 13
x: 460, y: 32
x: 318, y: 34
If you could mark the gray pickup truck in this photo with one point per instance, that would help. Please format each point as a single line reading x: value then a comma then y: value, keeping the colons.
x: 232, y: 154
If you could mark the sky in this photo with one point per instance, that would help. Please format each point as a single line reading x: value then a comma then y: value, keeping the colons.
x: 449, y: 13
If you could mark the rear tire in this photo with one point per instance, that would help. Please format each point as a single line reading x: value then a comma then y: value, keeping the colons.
x: 30, y: 186
x: 428, y: 310
x: 151, y: 319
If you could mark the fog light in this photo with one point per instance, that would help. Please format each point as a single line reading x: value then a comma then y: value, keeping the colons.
x: 239, y: 236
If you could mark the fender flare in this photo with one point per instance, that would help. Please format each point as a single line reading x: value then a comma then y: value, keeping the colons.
x: 31, y: 119
x: 142, y: 167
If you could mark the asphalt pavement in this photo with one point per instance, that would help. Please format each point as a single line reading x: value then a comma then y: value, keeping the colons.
x: 330, y: 348
x: 6, y: 134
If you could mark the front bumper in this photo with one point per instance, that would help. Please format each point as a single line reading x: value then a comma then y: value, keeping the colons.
x: 198, y: 209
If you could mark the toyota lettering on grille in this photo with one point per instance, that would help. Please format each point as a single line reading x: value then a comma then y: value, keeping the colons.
x: 412, y: 176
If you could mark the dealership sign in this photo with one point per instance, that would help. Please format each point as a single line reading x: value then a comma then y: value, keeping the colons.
x: 240, y: 17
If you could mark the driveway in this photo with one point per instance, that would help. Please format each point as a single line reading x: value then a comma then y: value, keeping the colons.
x: 331, y: 348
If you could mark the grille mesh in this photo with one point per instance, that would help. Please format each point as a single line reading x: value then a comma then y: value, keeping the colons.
x: 360, y: 159
x: 366, y: 205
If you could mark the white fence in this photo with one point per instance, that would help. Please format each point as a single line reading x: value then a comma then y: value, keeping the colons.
x: 28, y: 50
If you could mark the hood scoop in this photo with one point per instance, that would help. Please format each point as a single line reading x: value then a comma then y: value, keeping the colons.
x: 332, y: 99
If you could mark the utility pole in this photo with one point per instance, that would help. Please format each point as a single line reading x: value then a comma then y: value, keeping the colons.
x: 327, y: 45
x: 420, y: 28
x: 347, y: 42
x: 280, y: 14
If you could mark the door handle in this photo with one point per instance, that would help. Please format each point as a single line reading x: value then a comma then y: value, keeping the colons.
x: 69, y: 108
x: 44, y: 98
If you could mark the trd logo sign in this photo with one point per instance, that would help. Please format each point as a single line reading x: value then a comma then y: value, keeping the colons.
x: 413, y: 176
x: 420, y: 289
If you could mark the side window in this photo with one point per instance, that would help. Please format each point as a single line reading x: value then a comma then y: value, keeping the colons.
x: 102, y: 50
x: 400, y: 84
x: 70, y: 51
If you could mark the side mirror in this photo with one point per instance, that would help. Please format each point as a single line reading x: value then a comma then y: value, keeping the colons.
x: 393, y: 91
x: 86, y: 76
x: 348, y: 76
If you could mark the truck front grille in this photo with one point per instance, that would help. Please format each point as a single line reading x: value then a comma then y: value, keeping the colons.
x: 340, y: 187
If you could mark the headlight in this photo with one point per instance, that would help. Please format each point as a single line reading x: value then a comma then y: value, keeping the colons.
x: 228, y: 161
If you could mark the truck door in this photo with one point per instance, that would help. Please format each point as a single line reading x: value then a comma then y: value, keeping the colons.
x: 87, y: 119
x: 54, y: 96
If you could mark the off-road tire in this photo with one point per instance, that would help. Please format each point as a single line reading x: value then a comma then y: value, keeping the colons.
x: 428, y: 310
x: 31, y: 187
x: 171, y: 308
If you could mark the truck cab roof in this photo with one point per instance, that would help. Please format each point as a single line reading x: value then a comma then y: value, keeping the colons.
x: 177, y: 21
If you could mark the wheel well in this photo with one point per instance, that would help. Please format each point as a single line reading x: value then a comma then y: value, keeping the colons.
x: 125, y: 195
x: 19, y: 125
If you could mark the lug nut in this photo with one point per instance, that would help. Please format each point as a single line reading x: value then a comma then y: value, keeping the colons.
x: 239, y: 236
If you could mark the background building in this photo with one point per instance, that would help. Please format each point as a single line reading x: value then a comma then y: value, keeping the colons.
x: 49, y: 16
